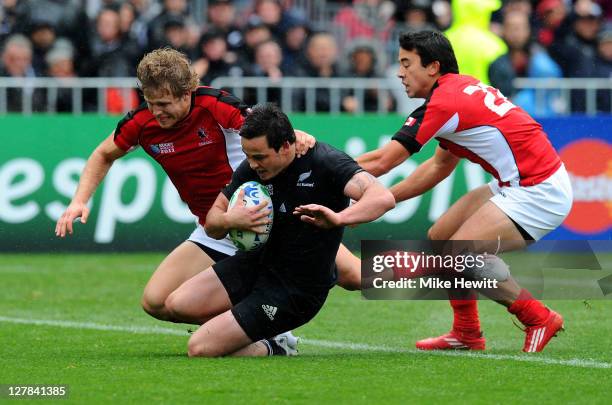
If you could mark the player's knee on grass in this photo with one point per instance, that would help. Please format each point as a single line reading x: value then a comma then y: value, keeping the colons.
x: 177, y: 306
x: 154, y: 304
x: 199, y: 347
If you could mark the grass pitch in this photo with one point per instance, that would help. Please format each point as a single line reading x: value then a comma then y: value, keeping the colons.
x: 76, y: 320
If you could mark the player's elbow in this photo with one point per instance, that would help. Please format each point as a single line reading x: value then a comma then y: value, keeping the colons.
x: 214, y: 232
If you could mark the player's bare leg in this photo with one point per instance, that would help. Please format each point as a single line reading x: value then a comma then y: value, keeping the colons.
x: 184, y: 262
x: 466, y: 333
x: 349, y: 269
x: 198, y: 299
x: 450, y: 222
x: 222, y: 335
x: 488, y: 225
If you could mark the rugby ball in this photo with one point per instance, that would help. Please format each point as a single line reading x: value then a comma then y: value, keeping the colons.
x: 254, y: 194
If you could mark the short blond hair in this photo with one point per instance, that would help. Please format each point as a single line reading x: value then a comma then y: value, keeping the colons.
x: 167, y: 69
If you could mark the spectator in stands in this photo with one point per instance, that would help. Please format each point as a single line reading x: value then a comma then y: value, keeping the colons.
x: 211, y: 62
x: 144, y: 11
x: 42, y: 36
x: 176, y: 35
x: 112, y: 54
x: 525, y: 58
x: 475, y: 46
x: 69, y: 19
x: 268, y: 58
x: 321, y: 62
x: 172, y: 9
x: 363, y: 63
x: 414, y: 15
x: 603, y: 66
x: 271, y: 13
x: 443, y: 15
x: 132, y: 26
x: 13, y: 18
x: 365, y: 19
x: 550, y: 15
x: 294, y: 44
x: 17, y: 63
x: 255, y: 33
x: 221, y: 16
x: 600, y: 68
x: 268, y: 63
x: 60, y: 60
x: 576, y: 52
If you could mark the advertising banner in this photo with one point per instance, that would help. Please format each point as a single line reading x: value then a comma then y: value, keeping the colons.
x: 137, y: 207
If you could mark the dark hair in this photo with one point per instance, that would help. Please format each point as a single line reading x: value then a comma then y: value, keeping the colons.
x: 267, y: 119
x: 431, y: 46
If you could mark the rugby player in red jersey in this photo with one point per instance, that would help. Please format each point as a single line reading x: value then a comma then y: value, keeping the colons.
x: 192, y: 132
x: 530, y: 195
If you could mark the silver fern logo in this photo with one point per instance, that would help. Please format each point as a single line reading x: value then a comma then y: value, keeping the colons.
x: 302, y: 177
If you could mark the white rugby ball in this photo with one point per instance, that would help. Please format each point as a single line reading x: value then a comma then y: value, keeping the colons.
x: 254, y: 194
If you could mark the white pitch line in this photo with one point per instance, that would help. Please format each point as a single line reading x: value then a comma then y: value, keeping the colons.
x: 583, y: 363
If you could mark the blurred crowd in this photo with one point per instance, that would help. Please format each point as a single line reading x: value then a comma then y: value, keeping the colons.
x: 495, y: 40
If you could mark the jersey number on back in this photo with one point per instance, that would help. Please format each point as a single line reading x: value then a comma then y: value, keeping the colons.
x: 494, y: 100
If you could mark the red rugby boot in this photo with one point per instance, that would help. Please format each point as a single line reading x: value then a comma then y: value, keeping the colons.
x: 452, y: 341
x: 539, y: 335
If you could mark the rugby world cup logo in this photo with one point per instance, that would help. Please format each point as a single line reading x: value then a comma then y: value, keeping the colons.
x: 252, y: 192
x: 589, y: 164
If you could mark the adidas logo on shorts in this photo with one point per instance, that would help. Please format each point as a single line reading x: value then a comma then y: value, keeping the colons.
x: 269, y: 310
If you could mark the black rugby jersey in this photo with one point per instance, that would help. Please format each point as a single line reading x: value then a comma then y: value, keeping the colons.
x: 303, y: 252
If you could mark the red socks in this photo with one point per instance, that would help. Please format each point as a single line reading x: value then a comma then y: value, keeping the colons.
x: 465, y: 320
x: 528, y: 310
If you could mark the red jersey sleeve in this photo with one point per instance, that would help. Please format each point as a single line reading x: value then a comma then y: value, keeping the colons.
x: 425, y: 122
x: 128, y: 130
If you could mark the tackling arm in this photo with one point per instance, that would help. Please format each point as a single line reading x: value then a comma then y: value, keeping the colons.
x: 95, y: 170
x: 381, y: 160
x: 426, y: 175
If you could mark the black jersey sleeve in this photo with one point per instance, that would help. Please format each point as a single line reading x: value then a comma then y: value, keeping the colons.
x: 339, y: 166
x: 406, y: 135
x: 242, y: 174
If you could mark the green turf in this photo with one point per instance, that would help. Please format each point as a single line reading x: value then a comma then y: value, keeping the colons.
x: 103, y: 366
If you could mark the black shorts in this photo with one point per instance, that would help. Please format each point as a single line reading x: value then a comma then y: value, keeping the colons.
x: 212, y: 253
x: 264, y: 302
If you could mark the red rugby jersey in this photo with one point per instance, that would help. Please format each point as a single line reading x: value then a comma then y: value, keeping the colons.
x: 475, y: 121
x: 199, y: 153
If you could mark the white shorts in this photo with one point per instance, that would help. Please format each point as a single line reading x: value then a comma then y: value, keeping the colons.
x: 538, y: 209
x: 224, y: 245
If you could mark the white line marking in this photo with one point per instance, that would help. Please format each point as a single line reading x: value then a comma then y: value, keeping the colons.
x: 583, y: 363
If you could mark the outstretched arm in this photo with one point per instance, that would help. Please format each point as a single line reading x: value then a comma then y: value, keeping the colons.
x: 95, y: 170
x: 383, y: 159
x: 372, y: 201
x: 426, y: 176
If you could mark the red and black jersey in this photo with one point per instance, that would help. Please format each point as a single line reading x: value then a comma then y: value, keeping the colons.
x: 475, y: 121
x: 199, y: 153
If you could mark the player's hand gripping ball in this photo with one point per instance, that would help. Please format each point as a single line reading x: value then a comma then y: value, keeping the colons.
x: 254, y: 194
